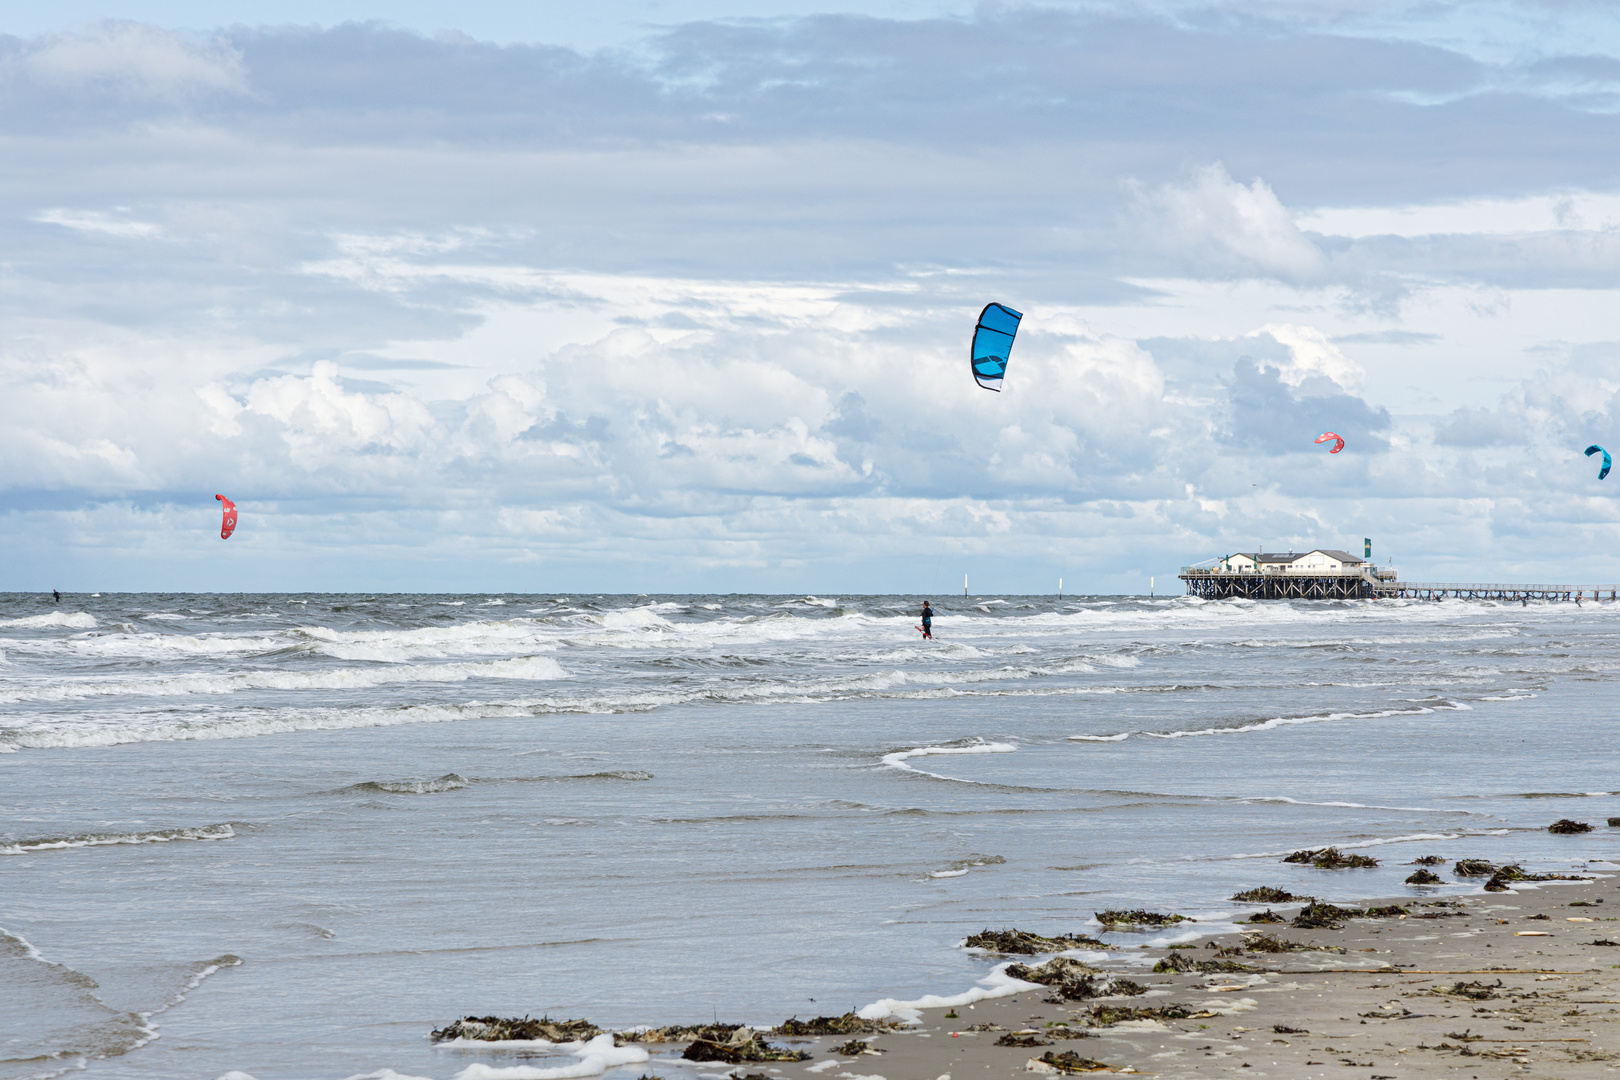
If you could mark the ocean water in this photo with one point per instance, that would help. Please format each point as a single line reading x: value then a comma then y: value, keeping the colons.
x: 288, y: 835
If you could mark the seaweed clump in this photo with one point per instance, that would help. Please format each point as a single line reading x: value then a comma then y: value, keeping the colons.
x: 1388, y: 911
x: 1070, y: 1062
x: 1023, y: 943
x: 734, y: 1044
x: 1427, y: 860
x: 1138, y: 917
x: 1320, y: 916
x: 1330, y: 858
x: 1266, y: 916
x: 502, y: 1029
x: 1178, y: 962
x: 1073, y: 981
x: 1473, y: 868
x: 1109, y: 1015
x: 1566, y: 827
x: 1423, y: 877
x: 1473, y: 991
x: 1015, y: 1038
x: 855, y: 1048
x: 1265, y: 894
x: 847, y: 1024
x: 1265, y: 943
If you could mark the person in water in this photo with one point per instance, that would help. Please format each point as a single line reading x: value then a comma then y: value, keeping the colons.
x: 928, y: 621
x: 57, y: 595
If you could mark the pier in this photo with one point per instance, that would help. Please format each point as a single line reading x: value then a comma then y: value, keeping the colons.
x: 1331, y: 574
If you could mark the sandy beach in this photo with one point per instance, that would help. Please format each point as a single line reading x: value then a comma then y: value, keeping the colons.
x: 1518, y: 983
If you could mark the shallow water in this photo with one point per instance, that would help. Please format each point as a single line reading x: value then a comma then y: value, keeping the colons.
x: 289, y: 835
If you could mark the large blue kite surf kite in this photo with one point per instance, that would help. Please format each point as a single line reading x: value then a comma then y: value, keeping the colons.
x: 992, y: 344
x: 1608, y: 461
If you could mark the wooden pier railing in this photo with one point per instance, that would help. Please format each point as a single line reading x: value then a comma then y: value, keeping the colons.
x: 1226, y: 585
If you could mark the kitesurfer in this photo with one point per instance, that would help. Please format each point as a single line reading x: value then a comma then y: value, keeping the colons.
x: 927, y: 621
x: 57, y: 595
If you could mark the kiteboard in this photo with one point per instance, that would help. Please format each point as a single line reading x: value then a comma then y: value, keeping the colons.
x: 923, y: 632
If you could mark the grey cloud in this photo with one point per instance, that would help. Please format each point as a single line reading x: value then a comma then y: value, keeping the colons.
x: 1269, y: 415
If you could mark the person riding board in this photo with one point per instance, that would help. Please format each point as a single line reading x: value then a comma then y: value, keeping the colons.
x: 927, y: 622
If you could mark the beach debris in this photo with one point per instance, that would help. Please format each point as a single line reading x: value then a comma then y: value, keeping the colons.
x: 1138, y: 917
x: 1072, y: 980
x: 855, y: 1048
x: 1543, y: 918
x: 1068, y: 1062
x: 502, y: 1029
x: 1023, y: 943
x: 735, y: 1044
x: 1583, y: 903
x: 1284, y: 1029
x: 1177, y: 962
x: 1265, y: 894
x: 1607, y: 942
x: 1466, y: 1035
x: 1265, y: 943
x: 1266, y: 916
x: 1566, y: 827
x: 1423, y: 877
x: 847, y: 1024
x: 1427, y: 860
x: 1319, y: 916
x: 1473, y: 868
x: 1614, y: 823
x: 1473, y: 991
x: 1387, y: 911
x: 1109, y: 1015
x: 1022, y: 1038
x: 1330, y: 858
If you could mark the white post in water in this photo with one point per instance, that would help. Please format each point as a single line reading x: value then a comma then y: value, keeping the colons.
x: 1150, y: 586
x: 964, y: 585
x: 1060, y: 588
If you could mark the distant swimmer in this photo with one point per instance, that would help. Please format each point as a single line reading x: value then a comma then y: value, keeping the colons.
x: 927, y: 627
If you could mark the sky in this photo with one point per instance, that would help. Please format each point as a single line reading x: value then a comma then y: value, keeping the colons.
x: 676, y: 296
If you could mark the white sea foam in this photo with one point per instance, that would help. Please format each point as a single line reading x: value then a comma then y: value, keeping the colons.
x: 533, y: 668
x: 1267, y: 725
x: 1379, y: 842
x: 595, y: 1057
x: 84, y: 840
x: 997, y: 984
x: 74, y: 620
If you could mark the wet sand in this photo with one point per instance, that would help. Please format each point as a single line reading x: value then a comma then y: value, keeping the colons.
x: 1488, y: 985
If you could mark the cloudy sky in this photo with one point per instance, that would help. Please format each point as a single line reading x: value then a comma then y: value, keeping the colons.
x: 675, y: 296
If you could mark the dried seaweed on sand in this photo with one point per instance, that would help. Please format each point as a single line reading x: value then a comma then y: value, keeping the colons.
x: 502, y: 1029
x: 1178, y: 962
x: 1070, y: 1062
x: 1266, y: 916
x: 855, y: 1048
x: 1072, y: 980
x: 1330, y: 858
x: 1109, y: 1015
x: 735, y: 1044
x: 847, y: 1024
x: 1265, y: 894
x: 1318, y: 916
x: 1023, y: 943
x: 1138, y: 917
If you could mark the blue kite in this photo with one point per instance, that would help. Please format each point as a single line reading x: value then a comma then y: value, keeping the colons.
x: 992, y: 344
x: 1607, y: 460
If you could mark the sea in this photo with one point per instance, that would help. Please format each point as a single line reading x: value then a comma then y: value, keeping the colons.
x: 287, y: 836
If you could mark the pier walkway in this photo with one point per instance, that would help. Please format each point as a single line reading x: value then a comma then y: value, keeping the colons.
x: 1227, y: 585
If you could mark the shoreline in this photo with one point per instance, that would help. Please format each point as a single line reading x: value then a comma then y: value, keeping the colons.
x: 1514, y: 983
